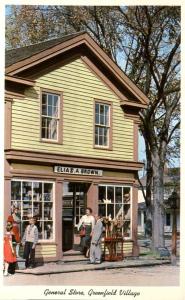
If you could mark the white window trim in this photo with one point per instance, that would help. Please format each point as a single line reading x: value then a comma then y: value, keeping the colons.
x: 57, y: 119
x: 103, y: 126
x: 42, y: 181
x: 131, y: 203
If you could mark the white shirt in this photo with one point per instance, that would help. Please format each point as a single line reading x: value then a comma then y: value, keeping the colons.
x: 87, y: 220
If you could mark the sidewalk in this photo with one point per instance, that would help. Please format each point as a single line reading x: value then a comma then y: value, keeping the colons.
x: 79, y: 266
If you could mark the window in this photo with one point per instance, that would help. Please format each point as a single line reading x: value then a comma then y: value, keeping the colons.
x: 102, y: 125
x: 34, y: 198
x: 51, y: 119
x: 168, y: 219
x: 114, y: 201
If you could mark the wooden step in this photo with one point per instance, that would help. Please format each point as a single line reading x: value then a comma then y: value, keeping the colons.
x: 72, y: 253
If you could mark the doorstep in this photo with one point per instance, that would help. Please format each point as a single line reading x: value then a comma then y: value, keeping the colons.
x: 62, y: 267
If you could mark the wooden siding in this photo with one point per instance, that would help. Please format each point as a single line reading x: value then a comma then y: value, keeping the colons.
x: 127, y: 248
x: 80, y: 87
x: 43, y: 251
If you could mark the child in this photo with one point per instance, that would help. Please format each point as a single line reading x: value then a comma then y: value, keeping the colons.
x: 29, y: 242
x: 9, y: 253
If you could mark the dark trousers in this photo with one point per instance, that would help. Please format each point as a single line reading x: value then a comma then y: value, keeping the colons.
x: 29, y: 254
x: 12, y: 267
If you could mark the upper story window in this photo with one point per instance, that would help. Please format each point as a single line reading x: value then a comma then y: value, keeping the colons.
x: 102, y: 125
x: 51, y: 116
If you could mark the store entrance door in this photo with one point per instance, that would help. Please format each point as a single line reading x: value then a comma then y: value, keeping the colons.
x: 74, y: 205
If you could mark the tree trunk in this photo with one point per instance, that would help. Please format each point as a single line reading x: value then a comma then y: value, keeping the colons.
x: 158, y: 207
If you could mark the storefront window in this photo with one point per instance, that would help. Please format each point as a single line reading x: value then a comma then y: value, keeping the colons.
x: 115, y: 202
x: 34, y: 198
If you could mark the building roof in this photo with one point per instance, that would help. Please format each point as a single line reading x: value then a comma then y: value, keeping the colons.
x: 14, y: 55
x: 25, y: 62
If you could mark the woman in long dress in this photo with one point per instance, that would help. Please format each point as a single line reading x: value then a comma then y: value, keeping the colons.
x: 87, y: 221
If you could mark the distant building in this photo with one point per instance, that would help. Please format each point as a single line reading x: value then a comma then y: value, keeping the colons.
x: 171, y: 180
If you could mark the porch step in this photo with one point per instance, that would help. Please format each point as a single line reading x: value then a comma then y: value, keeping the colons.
x: 73, y: 256
x: 74, y: 259
x: 72, y: 253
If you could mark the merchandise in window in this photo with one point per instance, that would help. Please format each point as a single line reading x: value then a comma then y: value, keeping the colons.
x: 50, y: 116
x: 114, y: 203
x: 34, y: 198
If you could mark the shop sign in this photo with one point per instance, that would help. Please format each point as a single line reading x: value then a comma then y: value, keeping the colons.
x: 77, y: 171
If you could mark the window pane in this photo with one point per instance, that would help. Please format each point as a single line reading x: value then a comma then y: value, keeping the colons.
x: 97, y: 108
x: 118, y: 194
x: 37, y: 210
x: 105, y: 137
x: 55, y: 101
x: 52, y: 129
x: 127, y: 211
x: 168, y: 221
x: 44, y: 110
x: 27, y: 191
x: 118, y: 210
x: 55, y: 112
x: 49, y: 110
x: 102, y: 119
x: 101, y: 131
x: 126, y: 228
x: 48, y: 191
x: 48, y: 211
x: 107, y: 108
x: 26, y: 210
x: 44, y: 128
x: 48, y: 230
x: 101, y: 140
x: 16, y: 190
x: 50, y: 99
x: 44, y: 99
x: 102, y: 193
x: 110, y: 210
x: 102, y: 210
x: 44, y: 122
x: 37, y: 191
x: 126, y: 195
x: 110, y: 193
x: 97, y: 118
x: 101, y: 109
x: 96, y: 140
x: 40, y: 227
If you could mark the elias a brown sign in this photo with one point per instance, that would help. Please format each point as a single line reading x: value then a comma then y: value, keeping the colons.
x: 77, y: 171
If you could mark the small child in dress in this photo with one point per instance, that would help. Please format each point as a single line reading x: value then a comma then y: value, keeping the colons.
x: 9, y: 252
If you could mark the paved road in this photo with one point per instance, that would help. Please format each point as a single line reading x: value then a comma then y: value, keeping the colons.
x: 164, y: 275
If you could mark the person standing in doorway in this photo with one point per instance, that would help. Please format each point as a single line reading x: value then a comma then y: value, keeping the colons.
x: 29, y: 241
x: 95, y: 249
x: 87, y: 223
